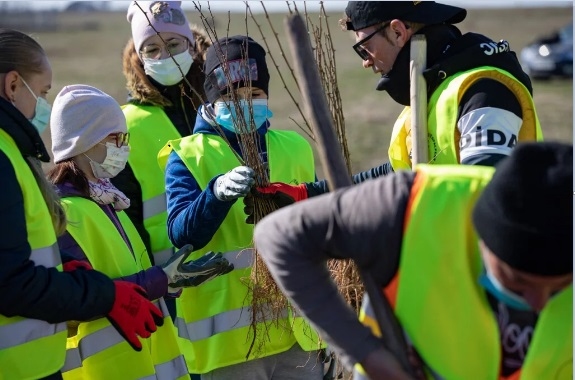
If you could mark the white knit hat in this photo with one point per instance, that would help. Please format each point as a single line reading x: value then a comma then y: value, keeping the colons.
x: 82, y: 116
x: 164, y: 16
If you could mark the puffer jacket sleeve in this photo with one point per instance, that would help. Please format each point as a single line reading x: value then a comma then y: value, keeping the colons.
x: 194, y: 215
x: 34, y: 291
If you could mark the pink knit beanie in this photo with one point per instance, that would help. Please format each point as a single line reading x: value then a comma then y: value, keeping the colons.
x: 164, y: 16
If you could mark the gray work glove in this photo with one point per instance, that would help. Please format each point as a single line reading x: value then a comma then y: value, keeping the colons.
x: 234, y: 184
x: 207, y: 267
x: 194, y: 272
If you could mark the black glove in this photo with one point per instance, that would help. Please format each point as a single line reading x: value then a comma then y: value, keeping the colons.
x: 198, y: 271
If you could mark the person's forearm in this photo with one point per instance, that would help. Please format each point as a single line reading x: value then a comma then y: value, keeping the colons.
x: 39, y: 292
x: 363, y: 223
x: 296, y: 254
x: 372, y: 173
x: 194, y: 213
x: 153, y: 280
x: 196, y: 221
x: 321, y: 187
x: 49, y: 295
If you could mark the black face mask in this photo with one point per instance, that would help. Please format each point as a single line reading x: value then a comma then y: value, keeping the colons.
x: 396, y: 82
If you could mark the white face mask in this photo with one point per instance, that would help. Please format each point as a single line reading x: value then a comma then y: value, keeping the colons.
x: 114, y: 162
x: 165, y: 71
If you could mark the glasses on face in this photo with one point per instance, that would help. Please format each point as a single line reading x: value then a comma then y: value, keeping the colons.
x: 121, y: 138
x: 173, y: 46
x: 360, y: 50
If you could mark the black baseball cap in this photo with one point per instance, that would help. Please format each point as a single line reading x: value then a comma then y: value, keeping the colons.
x: 363, y: 14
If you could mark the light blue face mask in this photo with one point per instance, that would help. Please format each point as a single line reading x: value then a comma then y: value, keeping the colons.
x: 42, y: 111
x: 502, y: 294
x: 226, y: 113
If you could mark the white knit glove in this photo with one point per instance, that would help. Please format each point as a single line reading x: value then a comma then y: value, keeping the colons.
x: 234, y: 184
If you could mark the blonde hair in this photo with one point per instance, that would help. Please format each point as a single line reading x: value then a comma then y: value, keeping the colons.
x: 51, y: 199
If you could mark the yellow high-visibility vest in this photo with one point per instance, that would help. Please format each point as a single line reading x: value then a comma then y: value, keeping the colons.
x: 31, y: 348
x: 442, y: 108
x: 98, y: 351
x: 150, y: 129
x: 213, y: 319
x: 436, y: 293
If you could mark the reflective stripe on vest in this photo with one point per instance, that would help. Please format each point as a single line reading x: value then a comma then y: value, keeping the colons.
x: 152, y: 207
x: 241, y: 259
x: 173, y: 369
x: 229, y: 320
x: 226, y: 321
x: 26, y: 330
x: 48, y: 257
x: 161, y: 257
x: 97, y: 342
x: 155, y: 206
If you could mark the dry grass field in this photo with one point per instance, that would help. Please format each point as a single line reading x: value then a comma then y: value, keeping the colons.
x: 93, y: 57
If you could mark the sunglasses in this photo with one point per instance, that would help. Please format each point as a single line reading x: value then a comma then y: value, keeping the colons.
x: 360, y: 50
x: 121, y: 138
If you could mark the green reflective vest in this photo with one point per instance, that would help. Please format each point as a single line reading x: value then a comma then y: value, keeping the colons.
x: 437, y: 297
x: 98, y: 351
x: 31, y: 348
x: 150, y: 129
x: 213, y: 319
x: 442, y: 108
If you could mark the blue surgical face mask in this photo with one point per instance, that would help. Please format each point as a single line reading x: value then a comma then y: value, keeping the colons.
x: 42, y: 111
x: 491, y: 284
x: 226, y: 113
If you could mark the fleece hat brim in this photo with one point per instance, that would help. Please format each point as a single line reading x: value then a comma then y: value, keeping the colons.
x: 245, y: 65
x: 525, y: 213
x: 161, y: 16
x: 82, y: 116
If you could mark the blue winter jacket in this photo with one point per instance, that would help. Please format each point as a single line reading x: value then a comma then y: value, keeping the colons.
x: 194, y: 215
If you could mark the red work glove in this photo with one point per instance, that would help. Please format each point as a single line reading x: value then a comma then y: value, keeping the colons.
x: 281, y: 194
x: 133, y: 314
x: 72, y: 265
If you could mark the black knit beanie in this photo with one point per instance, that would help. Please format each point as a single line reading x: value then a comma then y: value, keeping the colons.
x: 232, y: 50
x: 525, y: 213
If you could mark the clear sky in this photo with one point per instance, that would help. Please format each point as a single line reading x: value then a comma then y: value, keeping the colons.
x: 330, y: 5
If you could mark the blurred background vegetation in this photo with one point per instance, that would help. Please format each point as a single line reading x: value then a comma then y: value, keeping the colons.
x: 85, y: 47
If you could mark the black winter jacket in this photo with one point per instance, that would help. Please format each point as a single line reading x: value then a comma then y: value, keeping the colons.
x: 25, y: 289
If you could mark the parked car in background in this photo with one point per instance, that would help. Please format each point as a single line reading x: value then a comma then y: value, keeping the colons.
x: 550, y: 56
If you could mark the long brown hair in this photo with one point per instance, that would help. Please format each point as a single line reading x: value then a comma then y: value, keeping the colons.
x: 19, y: 52
x: 68, y: 171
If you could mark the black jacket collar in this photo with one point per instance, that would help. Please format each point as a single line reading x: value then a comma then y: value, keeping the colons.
x: 448, y: 53
x: 22, y: 131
